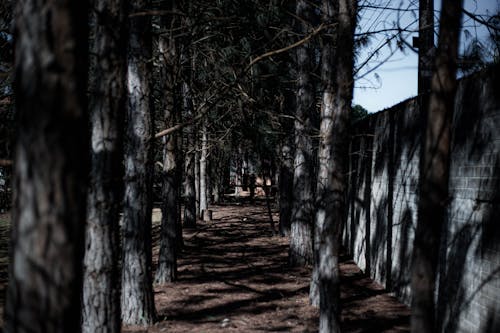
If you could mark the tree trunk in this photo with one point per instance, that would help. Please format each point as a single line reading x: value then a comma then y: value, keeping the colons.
x: 51, y: 167
x: 101, y: 284
x: 203, y: 169
x: 302, y: 210
x: 189, y: 177
x: 425, y: 45
x: 167, y: 57
x: 197, y: 171
x: 180, y: 167
x: 434, y: 171
x: 137, y: 292
x: 325, y: 199
x: 333, y: 157
x: 286, y: 166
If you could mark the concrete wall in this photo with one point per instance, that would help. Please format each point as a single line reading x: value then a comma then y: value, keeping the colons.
x: 383, y: 196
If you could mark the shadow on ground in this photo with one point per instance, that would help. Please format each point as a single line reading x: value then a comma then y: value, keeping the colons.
x: 234, y: 277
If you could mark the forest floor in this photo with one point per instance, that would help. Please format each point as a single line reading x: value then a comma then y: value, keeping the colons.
x: 234, y: 277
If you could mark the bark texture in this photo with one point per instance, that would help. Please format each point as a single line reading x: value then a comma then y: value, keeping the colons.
x: 333, y: 158
x: 434, y: 177
x: 190, y: 212
x: 325, y: 199
x: 203, y: 169
x: 51, y: 167
x: 137, y: 293
x: 190, y: 161
x: 425, y: 45
x: 101, y: 286
x: 301, y: 252
x: 167, y: 57
x: 286, y: 166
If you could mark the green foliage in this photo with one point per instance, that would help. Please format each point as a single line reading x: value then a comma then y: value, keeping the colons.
x: 358, y: 113
x: 225, y: 36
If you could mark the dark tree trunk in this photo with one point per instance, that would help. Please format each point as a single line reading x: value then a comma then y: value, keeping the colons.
x: 434, y: 171
x: 190, y: 161
x: 425, y: 45
x: 180, y: 165
x: 301, y: 252
x: 197, y: 171
x: 101, y: 285
x: 167, y: 260
x: 286, y: 166
x: 137, y: 293
x: 190, y: 193
x: 51, y: 167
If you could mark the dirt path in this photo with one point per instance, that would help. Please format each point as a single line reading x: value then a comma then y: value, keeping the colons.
x: 233, y: 277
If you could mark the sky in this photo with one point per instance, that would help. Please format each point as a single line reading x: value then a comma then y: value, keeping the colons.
x: 391, y: 76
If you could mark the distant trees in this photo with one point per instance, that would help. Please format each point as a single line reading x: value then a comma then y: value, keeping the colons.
x: 434, y: 170
x: 51, y: 167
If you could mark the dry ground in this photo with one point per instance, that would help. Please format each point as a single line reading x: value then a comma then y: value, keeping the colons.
x: 233, y: 277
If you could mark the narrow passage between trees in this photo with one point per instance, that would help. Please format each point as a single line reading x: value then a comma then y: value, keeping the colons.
x: 234, y: 277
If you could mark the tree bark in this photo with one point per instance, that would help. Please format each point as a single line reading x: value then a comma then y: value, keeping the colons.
x: 203, y: 169
x: 197, y: 171
x: 325, y: 199
x: 301, y: 252
x: 425, y: 45
x: 434, y: 171
x: 51, y: 167
x: 167, y: 58
x: 333, y: 154
x: 137, y: 292
x: 101, y: 286
x: 286, y: 166
x: 189, y: 176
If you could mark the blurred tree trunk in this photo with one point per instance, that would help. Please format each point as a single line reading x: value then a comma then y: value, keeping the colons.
x: 434, y: 170
x: 101, y: 285
x: 167, y: 59
x: 301, y: 252
x: 51, y: 167
x: 137, y: 293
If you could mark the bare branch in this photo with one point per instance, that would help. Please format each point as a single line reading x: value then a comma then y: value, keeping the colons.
x: 289, y: 47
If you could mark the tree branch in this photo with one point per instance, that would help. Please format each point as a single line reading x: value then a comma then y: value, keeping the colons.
x: 479, y: 19
x: 289, y: 47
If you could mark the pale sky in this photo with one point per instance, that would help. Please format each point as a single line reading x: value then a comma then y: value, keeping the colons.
x: 396, y: 78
